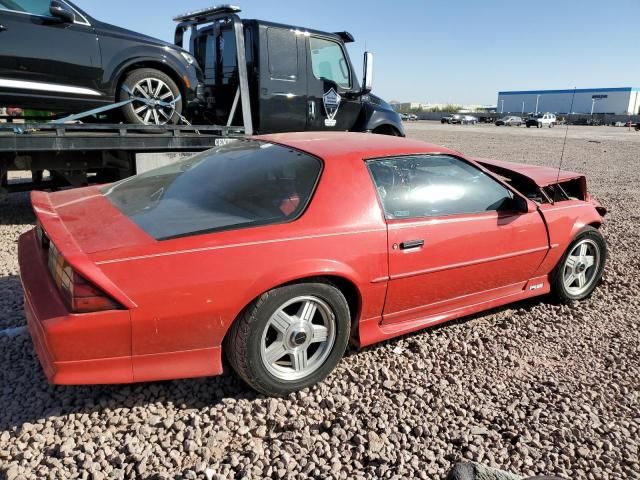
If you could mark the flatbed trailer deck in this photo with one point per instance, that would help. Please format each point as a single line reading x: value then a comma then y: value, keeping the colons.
x: 80, y: 154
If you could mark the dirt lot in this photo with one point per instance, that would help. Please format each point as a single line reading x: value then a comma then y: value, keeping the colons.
x: 532, y: 388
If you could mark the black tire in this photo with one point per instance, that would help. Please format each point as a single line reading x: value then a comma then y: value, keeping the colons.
x: 139, y: 75
x: 558, y: 289
x: 243, y: 342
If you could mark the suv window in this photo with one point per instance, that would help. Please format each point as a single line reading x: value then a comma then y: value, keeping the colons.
x: 34, y: 7
x: 283, y: 54
x: 243, y: 184
x: 435, y: 185
x: 328, y: 62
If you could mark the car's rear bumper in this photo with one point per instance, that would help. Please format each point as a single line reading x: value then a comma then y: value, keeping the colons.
x: 92, y: 348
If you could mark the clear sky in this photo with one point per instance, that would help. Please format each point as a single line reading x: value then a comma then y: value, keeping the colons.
x: 438, y: 51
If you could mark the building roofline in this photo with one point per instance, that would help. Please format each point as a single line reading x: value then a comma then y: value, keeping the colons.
x: 577, y: 90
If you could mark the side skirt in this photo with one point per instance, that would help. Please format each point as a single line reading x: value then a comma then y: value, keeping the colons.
x: 374, y: 330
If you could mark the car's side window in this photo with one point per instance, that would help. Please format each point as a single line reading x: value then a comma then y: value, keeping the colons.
x: 419, y: 186
x: 328, y: 62
x: 34, y: 7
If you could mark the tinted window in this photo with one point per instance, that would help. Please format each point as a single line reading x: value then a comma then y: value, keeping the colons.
x: 328, y: 62
x: 246, y: 183
x: 435, y: 185
x: 35, y: 7
x: 206, y: 53
x: 283, y: 54
x: 229, y: 56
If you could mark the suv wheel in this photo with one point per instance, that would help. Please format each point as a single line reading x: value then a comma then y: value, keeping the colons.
x: 290, y: 338
x: 162, y: 103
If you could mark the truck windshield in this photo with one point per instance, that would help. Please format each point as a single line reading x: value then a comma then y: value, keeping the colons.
x: 243, y: 184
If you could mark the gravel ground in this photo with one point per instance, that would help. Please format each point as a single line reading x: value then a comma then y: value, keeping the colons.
x: 532, y: 388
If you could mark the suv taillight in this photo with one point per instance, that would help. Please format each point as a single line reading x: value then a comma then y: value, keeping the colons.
x: 80, y: 295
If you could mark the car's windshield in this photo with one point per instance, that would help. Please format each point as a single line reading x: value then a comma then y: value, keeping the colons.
x: 245, y: 183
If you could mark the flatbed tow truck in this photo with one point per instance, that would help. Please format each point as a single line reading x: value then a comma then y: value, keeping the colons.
x: 259, y: 77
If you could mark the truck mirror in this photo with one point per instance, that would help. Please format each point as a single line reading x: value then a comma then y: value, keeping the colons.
x: 367, y: 77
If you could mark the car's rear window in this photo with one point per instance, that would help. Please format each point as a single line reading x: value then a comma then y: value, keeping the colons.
x: 245, y: 183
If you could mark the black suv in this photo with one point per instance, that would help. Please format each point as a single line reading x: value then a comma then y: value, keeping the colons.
x: 55, y: 56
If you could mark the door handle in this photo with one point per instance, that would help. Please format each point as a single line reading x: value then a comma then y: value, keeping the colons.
x: 312, y: 109
x: 412, y: 244
x: 2, y: 28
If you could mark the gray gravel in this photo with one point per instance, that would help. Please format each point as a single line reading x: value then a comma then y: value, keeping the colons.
x: 533, y: 388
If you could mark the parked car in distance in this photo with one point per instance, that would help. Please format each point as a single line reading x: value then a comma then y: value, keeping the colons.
x: 412, y: 117
x: 53, y: 55
x: 295, y: 245
x: 452, y: 119
x: 469, y: 120
x: 509, y: 121
x: 542, y: 120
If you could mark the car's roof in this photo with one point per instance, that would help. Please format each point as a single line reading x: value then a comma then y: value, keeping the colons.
x: 328, y: 145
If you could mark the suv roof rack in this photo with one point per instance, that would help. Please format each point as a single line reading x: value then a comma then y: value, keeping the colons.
x: 205, y: 13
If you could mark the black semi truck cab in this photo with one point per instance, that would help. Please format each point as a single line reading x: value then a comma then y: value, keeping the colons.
x: 274, y: 78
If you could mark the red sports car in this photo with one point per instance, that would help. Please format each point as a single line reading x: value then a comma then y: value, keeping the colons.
x: 278, y: 250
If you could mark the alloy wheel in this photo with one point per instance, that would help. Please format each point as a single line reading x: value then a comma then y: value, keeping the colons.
x: 298, y: 338
x: 159, y: 107
x: 581, y: 267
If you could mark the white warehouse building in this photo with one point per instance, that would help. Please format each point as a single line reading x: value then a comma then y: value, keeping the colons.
x: 616, y: 101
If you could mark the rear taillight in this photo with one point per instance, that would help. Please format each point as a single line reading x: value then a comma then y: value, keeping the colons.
x: 43, y: 239
x: 84, y: 297
x: 80, y: 295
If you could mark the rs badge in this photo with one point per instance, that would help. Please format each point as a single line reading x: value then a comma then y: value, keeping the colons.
x: 332, y: 102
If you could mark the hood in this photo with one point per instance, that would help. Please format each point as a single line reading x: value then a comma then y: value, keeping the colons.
x: 541, y: 176
x: 130, y: 34
x: 379, y: 102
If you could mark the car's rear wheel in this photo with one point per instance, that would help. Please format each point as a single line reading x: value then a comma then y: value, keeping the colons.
x: 161, y: 102
x: 580, y: 270
x: 290, y: 338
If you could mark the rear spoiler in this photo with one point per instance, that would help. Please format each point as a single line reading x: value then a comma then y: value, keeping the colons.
x: 72, y: 253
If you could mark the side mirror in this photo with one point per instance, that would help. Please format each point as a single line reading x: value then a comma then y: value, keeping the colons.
x: 367, y: 77
x: 60, y: 11
x: 521, y: 204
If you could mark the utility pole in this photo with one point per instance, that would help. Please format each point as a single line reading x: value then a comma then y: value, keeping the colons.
x: 502, y: 109
x: 537, y: 101
x: 522, y: 107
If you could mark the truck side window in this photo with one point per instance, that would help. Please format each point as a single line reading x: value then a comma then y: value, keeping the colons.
x: 207, y: 57
x: 34, y: 7
x: 227, y: 45
x: 328, y: 62
x: 283, y: 54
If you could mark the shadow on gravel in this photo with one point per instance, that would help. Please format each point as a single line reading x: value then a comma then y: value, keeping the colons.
x: 24, y: 379
x: 34, y: 399
x: 15, y: 209
x: 11, y: 309
x: 527, y: 304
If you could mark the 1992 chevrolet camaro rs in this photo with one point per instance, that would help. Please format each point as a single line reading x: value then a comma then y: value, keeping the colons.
x: 280, y: 249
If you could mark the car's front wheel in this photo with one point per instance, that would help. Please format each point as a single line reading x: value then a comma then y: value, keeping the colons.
x: 290, y: 338
x: 581, y: 268
x: 158, y: 100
